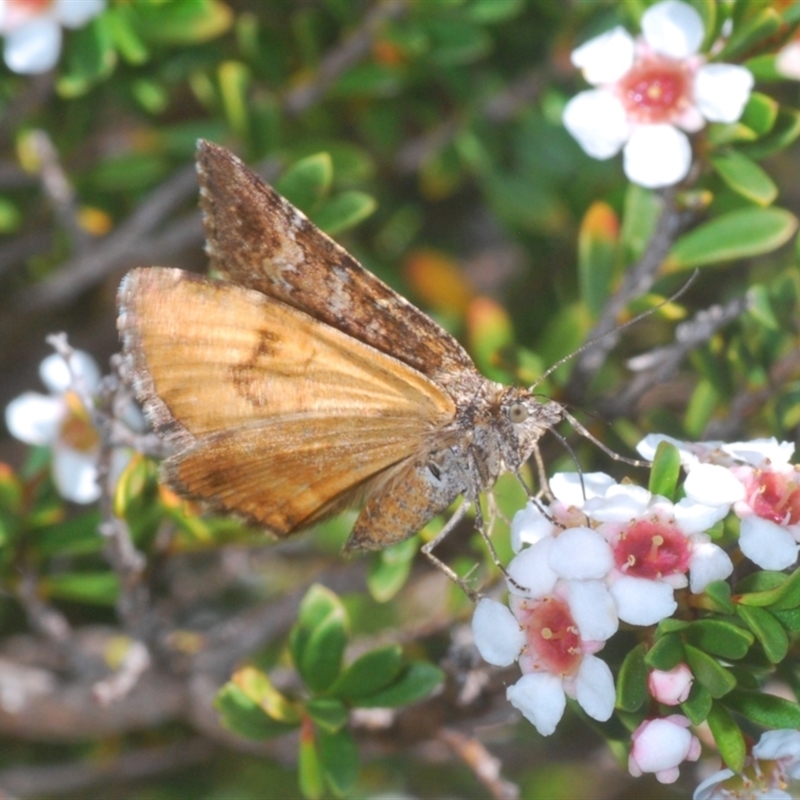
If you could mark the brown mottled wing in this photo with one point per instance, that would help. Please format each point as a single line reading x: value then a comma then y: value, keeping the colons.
x: 258, y: 239
x: 273, y: 413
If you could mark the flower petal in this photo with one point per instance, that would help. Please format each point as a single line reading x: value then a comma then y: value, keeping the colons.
x: 607, y: 57
x: 712, y: 485
x: 572, y: 488
x: 34, y: 418
x: 530, y: 571
x: 593, y: 610
x: 643, y: 602
x: 621, y: 503
x: 597, y: 120
x: 580, y: 554
x: 541, y: 699
x: 75, y: 475
x: 708, y: 563
x: 760, y: 452
x: 595, y: 688
x: 673, y: 29
x: 57, y: 376
x: 528, y: 526
x: 657, y: 155
x: 76, y: 13
x: 498, y: 636
x: 721, y: 91
x: 34, y: 47
x: 692, y: 517
x: 766, y: 543
x: 787, y: 62
x: 707, y: 790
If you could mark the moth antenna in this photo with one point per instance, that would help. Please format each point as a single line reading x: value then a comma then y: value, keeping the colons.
x: 621, y: 327
x: 583, y: 431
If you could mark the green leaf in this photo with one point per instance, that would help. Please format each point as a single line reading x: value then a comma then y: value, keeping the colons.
x: 738, y: 234
x: 789, y: 618
x: 234, y: 84
x: 309, y: 769
x: 307, y: 181
x: 720, y: 637
x: 760, y: 113
x: 698, y: 704
x: 765, y: 709
x: 489, y: 11
x: 760, y: 26
x: 642, y: 210
x: 344, y: 211
x: 785, y: 595
x: 760, y: 308
x: 632, y: 680
x: 666, y: 652
x: 73, y: 536
x: 456, y: 41
x: 318, y: 638
x: 187, y: 22
x: 709, y: 672
x: 259, y: 688
x: 414, y: 683
x: 95, y: 588
x: 338, y: 757
x: 390, y: 568
x: 719, y: 592
x: 90, y: 57
x: 784, y: 133
x: 702, y: 405
x: 597, y: 250
x: 666, y: 470
x: 242, y: 715
x: 369, y: 673
x: 728, y: 736
x: 745, y: 177
x: 328, y: 713
x: 129, y: 44
x: 769, y: 632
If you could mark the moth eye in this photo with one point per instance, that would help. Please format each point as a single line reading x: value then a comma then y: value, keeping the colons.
x: 517, y: 413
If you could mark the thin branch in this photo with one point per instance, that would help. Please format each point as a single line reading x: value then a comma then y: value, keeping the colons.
x: 638, y: 280
x: 662, y: 363
x: 483, y: 764
x: 347, y: 53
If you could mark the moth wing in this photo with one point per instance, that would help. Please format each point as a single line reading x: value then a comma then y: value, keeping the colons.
x: 258, y: 239
x: 289, y: 473
x: 257, y: 396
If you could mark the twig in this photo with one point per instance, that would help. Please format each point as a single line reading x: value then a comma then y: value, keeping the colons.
x: 117, y: 686
x: 39, y: 780
x: 482, y: 763
x: 638, y: 280
x: 661, y: 364
x: 58, y: 189
x: 343, y: 56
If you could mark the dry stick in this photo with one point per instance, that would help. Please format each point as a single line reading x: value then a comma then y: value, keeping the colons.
x: 746, y: 403
x: 344, y: 55
x: 39, y: 780
x: 638, y: 280
x: 483, y: 764
x: 662, y: 363
x: 59, y: 190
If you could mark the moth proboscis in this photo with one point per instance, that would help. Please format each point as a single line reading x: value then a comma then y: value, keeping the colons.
x: 299, y: 384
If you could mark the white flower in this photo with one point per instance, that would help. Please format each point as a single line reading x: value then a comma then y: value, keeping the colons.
x: 32, y: 30
x: 655, y: 543
x: 649, y: 91
x: 772, y: 764
x: 61, y: 421
x: 660, y: 745
x: 670, y: 687
x: 787, y: 62
x: 554, y: 627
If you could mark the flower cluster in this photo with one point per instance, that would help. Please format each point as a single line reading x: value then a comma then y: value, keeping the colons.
x: 32, y: 30
x: 650, y: 92
x: 603, y: 553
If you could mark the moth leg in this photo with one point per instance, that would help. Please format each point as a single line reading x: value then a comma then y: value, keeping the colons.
x: 427, y: 549
x: 544, y: 483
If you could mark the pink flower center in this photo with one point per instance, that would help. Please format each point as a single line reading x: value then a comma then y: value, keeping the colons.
x: 776, y: 497
x: 656, y: 90
x: 651, y: 549
x: 554, y: 643
x: 19, y: 11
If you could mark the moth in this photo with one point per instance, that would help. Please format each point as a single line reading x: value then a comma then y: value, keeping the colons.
x: 299, y: 384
